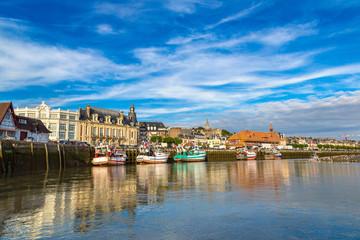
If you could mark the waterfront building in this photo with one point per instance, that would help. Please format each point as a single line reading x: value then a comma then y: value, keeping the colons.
x: 63, y: 124
x: 98, y: 125
x: 149, y: 129
x: 253, y: 138
x: 19, y: 127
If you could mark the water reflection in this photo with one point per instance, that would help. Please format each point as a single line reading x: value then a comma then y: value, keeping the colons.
x: 85, y: 201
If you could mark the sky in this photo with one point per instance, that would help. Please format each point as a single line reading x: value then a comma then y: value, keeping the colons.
x: 241, y: 64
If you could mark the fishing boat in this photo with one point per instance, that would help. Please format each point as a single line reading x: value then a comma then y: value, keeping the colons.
x: 117, y: 157
x: 272, y: 154
x: 102, y: 155
x: 149, y: 155
x: 193, y: 155
x: 314, y: 158
x: 245, y: 154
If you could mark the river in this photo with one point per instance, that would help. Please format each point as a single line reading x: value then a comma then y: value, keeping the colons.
x: 280, y: 199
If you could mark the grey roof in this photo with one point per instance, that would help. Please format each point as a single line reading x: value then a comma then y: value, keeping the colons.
x: 31, y: 124
x: 102, y: 113
x: 153, y: 124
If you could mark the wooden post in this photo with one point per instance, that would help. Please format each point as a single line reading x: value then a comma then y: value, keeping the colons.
x: 46, y: 157
x: 63, y: 148
x: 32, y: 155
x: 59, y: 156
x: 2, y: 158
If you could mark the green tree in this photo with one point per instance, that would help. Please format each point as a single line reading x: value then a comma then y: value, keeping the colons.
x: 168, y: 140
x: 156, y: 139
x: 177, y: 141
x: 225, y: 133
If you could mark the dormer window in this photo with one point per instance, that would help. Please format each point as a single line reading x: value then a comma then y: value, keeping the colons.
x: 95, y: 117
x: 108, y: 119
x: 23, y: 121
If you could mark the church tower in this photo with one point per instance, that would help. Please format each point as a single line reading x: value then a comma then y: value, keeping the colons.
x: 207, y: 125
x: 132, y: 114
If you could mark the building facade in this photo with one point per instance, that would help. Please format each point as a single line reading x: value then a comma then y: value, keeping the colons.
x: 63, y: 124
x: 149, y: 129
x: 19, y: 127
x: 98, y: 125
x: 253, y: 138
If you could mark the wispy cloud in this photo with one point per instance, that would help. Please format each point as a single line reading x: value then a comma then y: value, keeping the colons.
x: 236, y: 16
x: 106, y: 29
x: 189, y: 6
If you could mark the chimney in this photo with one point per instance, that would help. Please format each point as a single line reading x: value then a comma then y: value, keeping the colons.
x: 122, y: 115
x: 88, y: 110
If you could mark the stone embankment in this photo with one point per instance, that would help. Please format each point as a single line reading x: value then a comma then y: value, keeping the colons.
x: 27, y: 156
x: 338, y: 159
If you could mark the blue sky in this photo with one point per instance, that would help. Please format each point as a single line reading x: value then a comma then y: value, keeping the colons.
x: 242, y: 64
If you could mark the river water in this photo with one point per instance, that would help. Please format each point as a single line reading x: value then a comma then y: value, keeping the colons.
x: 281, y: 199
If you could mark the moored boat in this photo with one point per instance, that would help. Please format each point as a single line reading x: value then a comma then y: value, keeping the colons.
x: 148, y: 155
x: 117, y: 157
x: 245, y: 154
x: 101, y: 155
x: 193, y: 155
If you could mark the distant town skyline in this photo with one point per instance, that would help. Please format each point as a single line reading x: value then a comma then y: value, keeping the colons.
x: 241, y: 64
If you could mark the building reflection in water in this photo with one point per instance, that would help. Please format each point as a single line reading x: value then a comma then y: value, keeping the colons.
x: 38, y: 205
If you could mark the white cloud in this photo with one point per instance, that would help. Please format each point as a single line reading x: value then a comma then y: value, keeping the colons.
x: 236, y: 16
x: 105, y: 29
x: 189, y: 6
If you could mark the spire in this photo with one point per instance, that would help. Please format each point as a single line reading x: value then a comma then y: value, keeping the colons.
x: 207, y: 126
x: 271, y: 128
x: 132, y: 107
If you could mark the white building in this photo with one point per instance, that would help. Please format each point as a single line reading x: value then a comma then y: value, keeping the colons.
x: 19, y: 127
x: 63, y: 124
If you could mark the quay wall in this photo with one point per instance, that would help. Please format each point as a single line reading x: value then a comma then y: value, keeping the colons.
x: 27, y: 156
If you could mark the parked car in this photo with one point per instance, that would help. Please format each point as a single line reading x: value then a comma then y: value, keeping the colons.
x: 84, y: 144
x: 29, y: 139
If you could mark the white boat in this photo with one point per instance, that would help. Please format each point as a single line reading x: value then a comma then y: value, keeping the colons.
x: 117, y: 157
x: 101, y: 155
x: 245, y: 154
x: 105, y: 155
x: 147, y: 155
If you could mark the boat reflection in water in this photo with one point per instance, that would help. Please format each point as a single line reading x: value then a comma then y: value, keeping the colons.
x: 184, y: 200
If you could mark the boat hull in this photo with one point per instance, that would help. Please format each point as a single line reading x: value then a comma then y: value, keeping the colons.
x: 117, y: 161
x: 100, y: 160
x: 151, y: 159
x: 190, y: 158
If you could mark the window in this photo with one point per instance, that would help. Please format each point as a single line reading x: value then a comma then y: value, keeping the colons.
x: 72, y: 117
x: 95, y: 117
x: 62, y: 127
x: 53, y: 134
x: 71, y: 128
x: 53, y: 126
x: 62, y: 135
x: 119, y: 135
x: 22, y: 114
x: 101, y: 132
x: 53, y: 116
x: 31, y: 115
x: 108, y: 132
x: 95, y: 131
x: 132, y: 134
x: 114, y: 133
x: 43, y: 115
x: 62, y: 116
x: 71, y: 136
x: 23, y: 121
